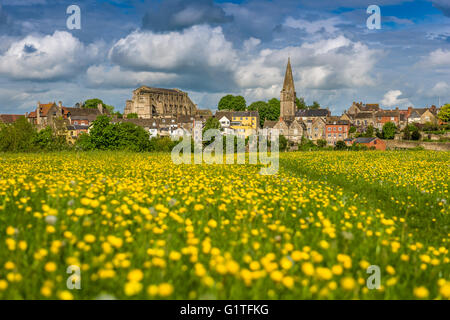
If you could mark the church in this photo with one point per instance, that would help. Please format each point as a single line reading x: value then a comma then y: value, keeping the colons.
x: 155, y: 103
x: 290, y: 127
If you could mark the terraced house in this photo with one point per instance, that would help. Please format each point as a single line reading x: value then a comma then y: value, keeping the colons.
x: 244, y: 123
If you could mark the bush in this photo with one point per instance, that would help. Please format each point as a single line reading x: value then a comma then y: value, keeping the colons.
x: 17, y: 137
x: 340, y: 145
x: 321, y: 143
x: 416, y: 135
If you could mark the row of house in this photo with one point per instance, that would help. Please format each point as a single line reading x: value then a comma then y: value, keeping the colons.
x: 364, y: 115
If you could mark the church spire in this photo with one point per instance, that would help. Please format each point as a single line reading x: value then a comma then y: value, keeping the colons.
x: 288, y: 95
x: 288, y: 78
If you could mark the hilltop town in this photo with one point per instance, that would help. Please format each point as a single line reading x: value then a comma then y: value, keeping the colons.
x: 171, y: 113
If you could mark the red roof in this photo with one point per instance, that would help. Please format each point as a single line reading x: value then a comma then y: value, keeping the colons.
x: 10, y: 118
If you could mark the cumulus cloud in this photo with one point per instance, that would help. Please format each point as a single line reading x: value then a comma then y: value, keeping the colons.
x: 201, y: 55
x: 437, y: 58
x: 49, y: 57
x: 114, y: 77
x: 180, y: 14
x: 392, y: 98
x: 441, y: 89
x: 192, y: 49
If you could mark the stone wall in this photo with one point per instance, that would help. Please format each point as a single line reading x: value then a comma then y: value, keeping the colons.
x: 437, y: 146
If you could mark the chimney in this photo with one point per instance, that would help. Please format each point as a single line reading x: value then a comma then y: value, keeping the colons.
x: 60, y: 110
x: 38, y: 113
x: 433, y: 109
x: 100, y: 108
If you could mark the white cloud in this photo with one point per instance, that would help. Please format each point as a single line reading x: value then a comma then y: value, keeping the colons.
x: 103, y: 76
x: 441, y: 89
x: 437, y: 58
x: 327, y: 25
x: 391, y: 98
x: 202, y: 54
x: 192, y: 49
x: 47, y: 57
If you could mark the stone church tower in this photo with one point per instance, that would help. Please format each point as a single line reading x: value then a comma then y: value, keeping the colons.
x: 288, y: 95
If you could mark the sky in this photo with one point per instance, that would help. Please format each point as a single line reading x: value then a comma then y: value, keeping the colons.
x: 213, y: 48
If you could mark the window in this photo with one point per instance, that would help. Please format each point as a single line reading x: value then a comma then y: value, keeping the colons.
x: 329, y: 129
x: 340, y: 128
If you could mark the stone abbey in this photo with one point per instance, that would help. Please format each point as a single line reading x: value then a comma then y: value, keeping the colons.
x: 150, y: 103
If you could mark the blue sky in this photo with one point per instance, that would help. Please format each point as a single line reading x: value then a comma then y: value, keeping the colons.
x: 212, y: 48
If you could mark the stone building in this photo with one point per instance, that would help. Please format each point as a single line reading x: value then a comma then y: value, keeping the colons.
x: 150, y: 103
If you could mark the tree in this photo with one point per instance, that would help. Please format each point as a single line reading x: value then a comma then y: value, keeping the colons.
x: 17, y: 136
x: 105, y: 135
x: 416, y: 135
x: 132, y: 116
x: 273, y: 113
x: 211, y: 123
x: 340, y: 145
x: 321, y: 143
x: 369, y: 132
x: 389, y: 130
x: 230, y: 102
x: 315, y: 105
x: 98, y: 133
x: 93, y: 104
x: 352, y: 129
x: 226, y: 103
x: 300, y: 102
x: 283, y: 143
x: 444, y: 114
x: 239, y: 103
x: 409, y: 130
x: 263, y: 109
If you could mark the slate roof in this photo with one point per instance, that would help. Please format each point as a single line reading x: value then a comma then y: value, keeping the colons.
x: 365, y: 140
x: 269, y: 124
x: 312, y: 113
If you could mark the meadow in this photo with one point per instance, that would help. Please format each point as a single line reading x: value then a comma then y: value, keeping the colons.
x: 140, y: 227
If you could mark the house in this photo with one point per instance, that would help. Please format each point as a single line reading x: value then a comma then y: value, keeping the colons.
x: 316, y: 129
x: 384, y: 116
x: 312, y: 114
x: 293, y: 130
x: 360, y: 107
x: 371, y: 143
x: 364, y: 119
x: 83, y: 116
x: 46, y: 115
x: 244, y: 123
x: 268, y: 129
x: 336, y: 130
x: 225, y: 118
x: 74, y: 132
x: 9, y: 118
x: 423, y: 115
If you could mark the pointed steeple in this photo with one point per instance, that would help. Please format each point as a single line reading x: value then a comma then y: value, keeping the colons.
x: 288, y: 95
x: 288, y: 78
